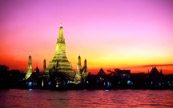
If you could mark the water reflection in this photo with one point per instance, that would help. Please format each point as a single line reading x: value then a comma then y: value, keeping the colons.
x: 14, y: 98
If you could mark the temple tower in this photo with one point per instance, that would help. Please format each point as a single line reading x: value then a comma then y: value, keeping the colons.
x: 85, y: 65
x: 79, y: 65
x: 60, y: 62
x: 81, y: 73
x: 78, y: 73
x: 44, y: 65
x: 84, y: 71
x: 29, y: 71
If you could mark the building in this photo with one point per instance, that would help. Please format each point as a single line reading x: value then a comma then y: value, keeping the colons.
x: 81, y: 73
x: 101, y: 72
x: 122, y: 73
x: 60, y: 63
x: 84, y: 71
x: 78, y: 75
x: 59, y: 72
x: 29, y: 71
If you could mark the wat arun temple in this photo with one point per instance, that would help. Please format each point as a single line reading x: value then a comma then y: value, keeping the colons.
x: 60, y: 68
x: 60, y: 62
x: 60, y: 75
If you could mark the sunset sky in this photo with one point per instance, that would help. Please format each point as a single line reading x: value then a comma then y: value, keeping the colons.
x: 126, y: 34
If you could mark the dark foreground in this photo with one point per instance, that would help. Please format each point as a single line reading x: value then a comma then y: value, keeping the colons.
x: 36, y: 98
x: 117, y: 79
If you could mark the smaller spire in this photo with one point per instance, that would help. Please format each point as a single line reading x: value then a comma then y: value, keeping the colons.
x: 29, y: 53
x: 61, y: 25
x: 61, y: 32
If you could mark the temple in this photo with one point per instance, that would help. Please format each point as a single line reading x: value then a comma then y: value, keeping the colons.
x: 60, y: 63
x: 59, y: 70
x: 78, y: 75
x: 29, y: 71
x: 81, y: 73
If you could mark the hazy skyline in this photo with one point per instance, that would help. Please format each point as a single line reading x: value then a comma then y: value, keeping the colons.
x: 113, y: 33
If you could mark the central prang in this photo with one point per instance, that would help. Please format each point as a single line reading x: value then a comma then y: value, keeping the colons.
x: 60, y: 63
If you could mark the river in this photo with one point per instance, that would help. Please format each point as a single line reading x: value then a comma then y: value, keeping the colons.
x: 35, y: 98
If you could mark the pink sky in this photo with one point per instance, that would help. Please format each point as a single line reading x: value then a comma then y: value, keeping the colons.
x: 108, y: 33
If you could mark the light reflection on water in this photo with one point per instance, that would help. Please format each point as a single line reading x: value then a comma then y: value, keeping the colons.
x: 14, y: 98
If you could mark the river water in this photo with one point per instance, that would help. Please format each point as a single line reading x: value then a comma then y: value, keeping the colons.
x: 15, y: 98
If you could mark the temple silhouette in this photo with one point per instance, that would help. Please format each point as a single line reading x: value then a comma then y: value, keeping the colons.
x: 59, y: 69
x: 29, y: 71
x: 60, y: 75
x: 60, y: 62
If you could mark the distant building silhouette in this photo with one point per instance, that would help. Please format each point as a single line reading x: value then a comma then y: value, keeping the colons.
x: 155, y: 76
x: 154, y: 71
x: 101, y: 72
x: 36, y: 70
x: 123, y: 73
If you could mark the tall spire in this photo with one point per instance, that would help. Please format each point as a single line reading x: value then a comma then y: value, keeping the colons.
x: 29, y: 71
x: 61, y: 32
x: 79, y: 65
x: 60, y: 62
x: 29, y: 53
x: 61, y: 25
x: 85, y: 65
x: 60, y: 45
x: 78, y: 73
x: 85, y: 72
